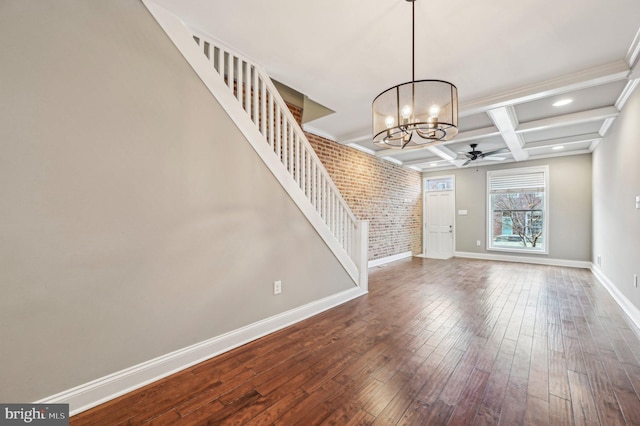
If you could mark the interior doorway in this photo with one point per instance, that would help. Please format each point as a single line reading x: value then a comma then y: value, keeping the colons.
x: 439, y: 217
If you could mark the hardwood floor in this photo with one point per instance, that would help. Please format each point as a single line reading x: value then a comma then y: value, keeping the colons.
x: 458, y: 342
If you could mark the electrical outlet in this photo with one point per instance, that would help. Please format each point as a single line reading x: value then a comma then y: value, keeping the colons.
x: 478, y: 243
x: 277, y: 287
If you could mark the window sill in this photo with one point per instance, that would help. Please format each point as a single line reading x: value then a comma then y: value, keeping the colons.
x: 515, y: 251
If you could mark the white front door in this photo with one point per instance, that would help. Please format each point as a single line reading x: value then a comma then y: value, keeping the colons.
x: 439, y: 216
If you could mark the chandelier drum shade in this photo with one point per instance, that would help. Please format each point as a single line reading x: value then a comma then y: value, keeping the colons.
x: 417, y: 113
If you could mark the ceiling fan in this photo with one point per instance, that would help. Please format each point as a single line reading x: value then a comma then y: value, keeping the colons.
x: 477, y: 154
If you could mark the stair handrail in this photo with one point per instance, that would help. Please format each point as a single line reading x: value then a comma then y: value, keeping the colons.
x: 261, y: 100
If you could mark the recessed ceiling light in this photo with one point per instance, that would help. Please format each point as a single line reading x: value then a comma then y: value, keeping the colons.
x: 562, y: 102
x: 433, y: 164
x: 557, y: 147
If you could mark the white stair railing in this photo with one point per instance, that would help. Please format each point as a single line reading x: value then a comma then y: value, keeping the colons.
x: 261, y: 101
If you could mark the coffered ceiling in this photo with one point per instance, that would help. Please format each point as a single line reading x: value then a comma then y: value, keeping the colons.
x: 511, y: 61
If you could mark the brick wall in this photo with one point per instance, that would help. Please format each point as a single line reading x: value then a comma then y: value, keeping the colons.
x: 385, y: 194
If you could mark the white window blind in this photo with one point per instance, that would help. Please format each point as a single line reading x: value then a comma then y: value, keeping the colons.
x: 517, y: 182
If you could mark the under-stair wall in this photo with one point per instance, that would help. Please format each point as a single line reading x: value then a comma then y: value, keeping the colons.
x: 140, y: 233
x: 250, y: 98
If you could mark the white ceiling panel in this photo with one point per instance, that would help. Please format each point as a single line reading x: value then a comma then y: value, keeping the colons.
x: 473, y: 122
x: 582, y: 100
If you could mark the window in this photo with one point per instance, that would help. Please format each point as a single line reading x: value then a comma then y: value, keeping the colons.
x: 439, y: 184
x: 517, y: 200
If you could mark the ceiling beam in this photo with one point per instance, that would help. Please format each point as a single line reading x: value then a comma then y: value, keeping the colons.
x: 506, y: 121
x: 634, y: 50
x: 605, y: 126
x: 439, y: 149
x: 569, y: 119
x: 608, y: 73
x: 423, y: 161
x: 476, y: 134
x: 443, y: 152
x: 569, y: 140
x: 483, y: 163
x: 635, y: 72
x: 626, y: 93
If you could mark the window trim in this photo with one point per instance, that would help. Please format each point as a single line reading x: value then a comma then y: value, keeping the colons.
x: 489, y: 222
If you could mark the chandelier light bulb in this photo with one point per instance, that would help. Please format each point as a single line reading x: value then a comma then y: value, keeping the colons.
x: 406, y: 111
x: 434, y: 111
x: 389, y: 122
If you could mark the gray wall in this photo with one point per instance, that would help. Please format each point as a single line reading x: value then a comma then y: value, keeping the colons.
x: 616, y: 183
x: 134, y: 219
x: 569, y: 206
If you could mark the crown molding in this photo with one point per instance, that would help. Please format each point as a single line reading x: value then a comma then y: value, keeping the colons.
x: 607, y: 73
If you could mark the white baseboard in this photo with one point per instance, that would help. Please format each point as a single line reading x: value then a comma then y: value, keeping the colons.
x: 525, y: 259
x: 96, y: 392
x: 389, y: 259
x: 629, y: 308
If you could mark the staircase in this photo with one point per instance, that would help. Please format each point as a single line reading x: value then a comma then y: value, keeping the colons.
x: 250, y: 98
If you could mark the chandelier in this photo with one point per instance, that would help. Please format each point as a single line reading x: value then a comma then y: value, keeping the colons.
x: 418, y: 113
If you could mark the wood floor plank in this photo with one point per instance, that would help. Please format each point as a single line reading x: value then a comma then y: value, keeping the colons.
x: 538, y: 385
x: 436, y: 413
x: 496, y: 387
x: 606, y: 402
x: 485, y: 417
x: 558, y: 378
x: 619, y: 343
x: 386, y: 393
x: 462, y: 373
x: 583, y: 404
x: 573, y: 355
x: 537, y: 411
x: 465, y: 410
x: 457, y: 342
x: 278, y: 409
x: 625, y: 393
x: 560, y: 411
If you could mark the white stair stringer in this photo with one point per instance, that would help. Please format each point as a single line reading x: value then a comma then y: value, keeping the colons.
x: 249, y: 97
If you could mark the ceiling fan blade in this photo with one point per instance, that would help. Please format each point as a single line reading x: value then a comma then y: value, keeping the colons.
x: 497, y: 151
x: 466, y: 162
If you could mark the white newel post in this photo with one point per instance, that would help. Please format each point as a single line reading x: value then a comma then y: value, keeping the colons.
x: 362, y: 253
